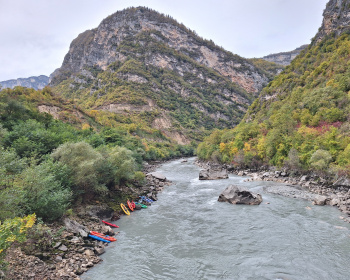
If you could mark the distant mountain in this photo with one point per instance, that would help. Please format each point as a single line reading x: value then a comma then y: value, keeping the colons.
x: 143, y: 67
x: 38, y: 82
x: 284, y: 58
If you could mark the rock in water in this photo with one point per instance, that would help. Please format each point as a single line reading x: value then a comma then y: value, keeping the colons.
x: 238, y: 195
x: 320, y: 200
x: 210, y: 174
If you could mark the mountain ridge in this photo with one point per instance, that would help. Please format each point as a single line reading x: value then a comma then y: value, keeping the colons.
x: 141, y: 65
x: 36, y: 82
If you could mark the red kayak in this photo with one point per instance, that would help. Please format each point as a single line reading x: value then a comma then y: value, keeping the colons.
x: 112, y: 225
x: 130, y: 205
x: 133, y: 204
x: 101, y: 235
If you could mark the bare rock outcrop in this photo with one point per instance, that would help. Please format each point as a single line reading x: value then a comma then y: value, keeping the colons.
x: 336, y: 19
x: 238, y: 195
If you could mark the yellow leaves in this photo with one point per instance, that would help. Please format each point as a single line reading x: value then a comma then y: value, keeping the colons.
x: 85, y: 126
x: 247, y: 147
x: 261, y: 147
x: 30, y: 220
x: 11, y: 238
x: 93, y: 113
x: 332, y: 83
x: 12, y: 230
x: 234, y: 151
x: 222, y: 147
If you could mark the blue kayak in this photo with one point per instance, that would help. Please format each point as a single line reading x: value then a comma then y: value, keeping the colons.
x: 99, y: 238
x: 146, y: 199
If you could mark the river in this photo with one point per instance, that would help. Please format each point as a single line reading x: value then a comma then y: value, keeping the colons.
x: 188, y: 234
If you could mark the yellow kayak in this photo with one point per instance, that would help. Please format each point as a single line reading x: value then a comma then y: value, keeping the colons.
x: 126, y: 211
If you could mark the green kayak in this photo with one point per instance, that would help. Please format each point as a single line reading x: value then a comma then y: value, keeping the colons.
x: 142, y: 205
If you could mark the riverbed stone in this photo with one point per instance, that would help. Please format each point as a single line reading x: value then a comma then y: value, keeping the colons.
x: 74, y: 226
x: 99, y: 250
x: 158, y: 176
x: 89, y: 253
x: 212, y: 174
x: 320, y: 200
x: 239, y: 195
x: 342, y: 182
x: 63, y: 248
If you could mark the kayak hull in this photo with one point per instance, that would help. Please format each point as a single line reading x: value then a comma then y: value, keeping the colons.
x: 110, y: 224
x: 103, y: 236
x: 125, y: 210
x: 99, y: 238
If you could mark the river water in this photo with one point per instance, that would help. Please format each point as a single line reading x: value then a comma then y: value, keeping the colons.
x: 188, y: 234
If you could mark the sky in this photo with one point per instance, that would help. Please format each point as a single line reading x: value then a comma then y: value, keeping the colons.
x: 36, y: 34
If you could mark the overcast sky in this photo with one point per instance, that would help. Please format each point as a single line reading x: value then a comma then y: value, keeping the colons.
x: 36, y: 34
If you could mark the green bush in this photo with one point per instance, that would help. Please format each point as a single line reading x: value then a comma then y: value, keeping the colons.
x: 43, y: 193
x: 84, y: 162
x: 320, y: 160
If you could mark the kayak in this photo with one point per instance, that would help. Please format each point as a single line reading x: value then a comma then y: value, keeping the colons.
x: 142, y: 205
x: 101, y: 235
x: 112, y: 225
x: 126, y: 211
x: 146, y: 199
x: 99, y: 238
x: 133, y: 204
x: 130, y: 205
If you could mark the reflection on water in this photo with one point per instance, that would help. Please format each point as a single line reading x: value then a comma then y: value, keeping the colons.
x: 188, y: 234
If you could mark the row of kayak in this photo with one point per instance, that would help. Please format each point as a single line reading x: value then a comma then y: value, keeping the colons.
x: 131, y: 205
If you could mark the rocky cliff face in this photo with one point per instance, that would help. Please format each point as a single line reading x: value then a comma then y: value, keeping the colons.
x: 145, y: 67
x: 336, y: 19
x: 284, y: 58
x: 38, y: 82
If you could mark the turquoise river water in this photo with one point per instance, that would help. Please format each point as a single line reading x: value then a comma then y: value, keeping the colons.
x: 188, y: 234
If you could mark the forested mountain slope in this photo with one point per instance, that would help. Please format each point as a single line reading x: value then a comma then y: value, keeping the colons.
x: 139, y: 66
x: 301, y: 119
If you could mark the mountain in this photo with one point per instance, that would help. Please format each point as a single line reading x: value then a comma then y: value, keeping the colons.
x: 38, y: 82
x: 301, y: 119
x: 139, y: 66
x: 284, y: 58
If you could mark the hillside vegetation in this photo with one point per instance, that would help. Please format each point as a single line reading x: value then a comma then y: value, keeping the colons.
x: 300, y: 120
x: 48, y: 165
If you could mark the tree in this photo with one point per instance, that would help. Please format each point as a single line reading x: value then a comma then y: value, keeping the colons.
x: 10, y: 166
x: 43, y: 193
x: 292, y: 161
x: 320, y: 160
x: 85, y: 163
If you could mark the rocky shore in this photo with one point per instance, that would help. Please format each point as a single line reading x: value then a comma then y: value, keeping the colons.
x: 63, y: 250
x: 312, y: 187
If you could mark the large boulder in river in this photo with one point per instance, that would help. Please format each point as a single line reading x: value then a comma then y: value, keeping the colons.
x: 238, y: 195
x: 213, y: 174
